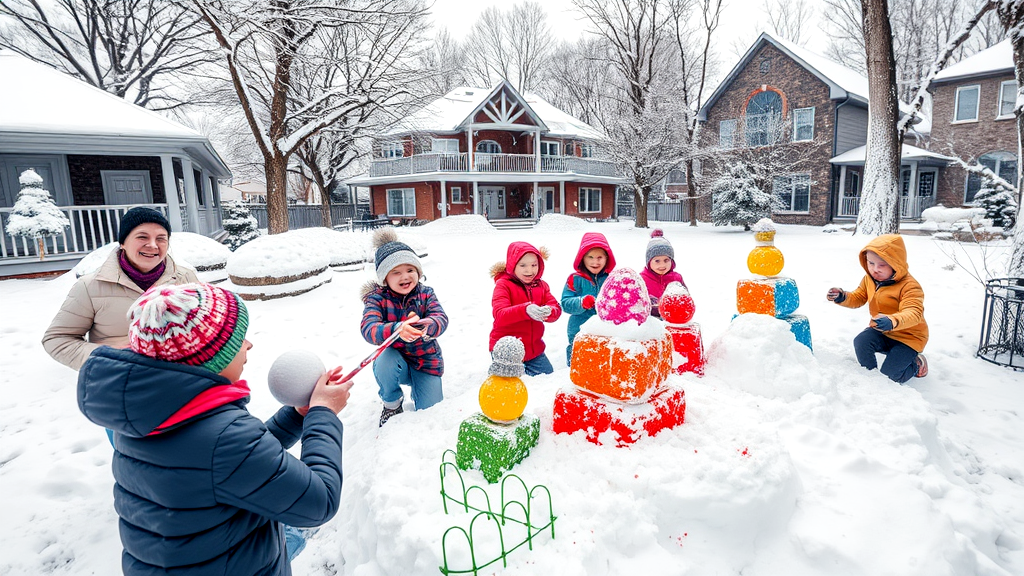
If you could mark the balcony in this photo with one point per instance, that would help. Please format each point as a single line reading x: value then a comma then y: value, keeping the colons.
x: 492, y: 163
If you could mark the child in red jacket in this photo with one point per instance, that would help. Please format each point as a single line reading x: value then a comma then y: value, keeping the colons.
x: 522, y: 303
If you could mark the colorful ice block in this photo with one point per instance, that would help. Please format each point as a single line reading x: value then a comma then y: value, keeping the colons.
x: 687, y: 348
x: 611, y: 421
x: 776, y: 297
x: 800, y: 326
x: 625, y: 370
x: 495, y: 448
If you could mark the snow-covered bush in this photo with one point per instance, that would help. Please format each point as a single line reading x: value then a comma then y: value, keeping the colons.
x: 239, y: 223
x: 34, y: 214
x: 737, y: 198
x: 999, y: 204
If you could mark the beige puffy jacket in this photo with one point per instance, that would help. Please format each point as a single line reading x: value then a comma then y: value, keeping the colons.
x: 98, y: 305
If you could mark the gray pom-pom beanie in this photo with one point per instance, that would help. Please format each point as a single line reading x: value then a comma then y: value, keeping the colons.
x: 391, y: 253
x: 507, y: 357
x: 659, y: 246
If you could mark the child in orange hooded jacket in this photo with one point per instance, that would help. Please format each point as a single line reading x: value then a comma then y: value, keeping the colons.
x: 896, y: 302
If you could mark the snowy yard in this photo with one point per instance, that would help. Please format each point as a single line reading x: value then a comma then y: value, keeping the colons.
x: 788, y: 463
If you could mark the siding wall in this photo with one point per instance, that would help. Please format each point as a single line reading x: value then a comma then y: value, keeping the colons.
x: 851, y: 128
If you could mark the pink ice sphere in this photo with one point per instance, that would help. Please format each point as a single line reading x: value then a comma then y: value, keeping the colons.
x: 623, y: 297
x: 676, y: 305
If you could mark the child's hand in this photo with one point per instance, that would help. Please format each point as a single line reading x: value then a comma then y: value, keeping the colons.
x: 538, y: 313
x: 882, y: 323
x: 836, y: 295
x: 329, y: 393
x: 408, y: 332
x: 588, y: 302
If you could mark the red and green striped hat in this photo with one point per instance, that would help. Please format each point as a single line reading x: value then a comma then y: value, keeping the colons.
x: 195, y: 324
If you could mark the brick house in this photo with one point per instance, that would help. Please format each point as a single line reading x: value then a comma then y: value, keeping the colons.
x: 809, y: 115
x: 972, y: 119
x: 98, y: 156
x: 490, y: 151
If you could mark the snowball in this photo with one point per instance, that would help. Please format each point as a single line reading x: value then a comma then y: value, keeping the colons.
x: 293, y: 376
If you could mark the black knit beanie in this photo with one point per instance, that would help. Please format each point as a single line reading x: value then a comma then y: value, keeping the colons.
x: 137, y: 216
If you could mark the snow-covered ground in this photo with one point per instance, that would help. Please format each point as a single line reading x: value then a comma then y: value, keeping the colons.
x: 788, y: 463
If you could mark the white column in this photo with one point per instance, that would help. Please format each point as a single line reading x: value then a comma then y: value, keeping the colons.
x: 191, y: 197
x: 444, y: 199
x: 842, y: 189
x: 536, y: 201
x: 912, y: 192
x: 476, y: 197
x: 536, y: 151
x: 171, y: 192
x: 561, y: 196
x: 470, y: 153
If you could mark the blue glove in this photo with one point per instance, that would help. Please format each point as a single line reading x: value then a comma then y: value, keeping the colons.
x: 883, y: 324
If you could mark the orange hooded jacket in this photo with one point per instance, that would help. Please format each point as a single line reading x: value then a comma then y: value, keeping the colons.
x: 901, y: 298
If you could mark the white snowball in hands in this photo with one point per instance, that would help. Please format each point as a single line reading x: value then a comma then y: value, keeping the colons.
x: 293, y: 376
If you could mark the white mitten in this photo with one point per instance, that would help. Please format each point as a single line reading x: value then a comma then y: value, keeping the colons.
x: 538, y: 313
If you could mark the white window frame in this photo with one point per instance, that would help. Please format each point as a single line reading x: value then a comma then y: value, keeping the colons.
x: 444, y: 145
x: 487, y: 142
x: 730, y: 126
x: 956, y: 103
x: 407, y: 195
x: 585, y: 200
x: 793, y: 178
x: 587, y: 150
x: 797, y: 124
x: 457, y: 196
x: 546, y: 146
x: 1012, y: 85
x: 394, y: 149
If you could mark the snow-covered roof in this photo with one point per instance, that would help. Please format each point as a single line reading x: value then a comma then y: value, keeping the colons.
x: 909, y: 153
x: 993, y: 60
x: 451, y: 112
x: 42, y: 104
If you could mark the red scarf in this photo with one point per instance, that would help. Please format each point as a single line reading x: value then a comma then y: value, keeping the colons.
x: 206, y: 400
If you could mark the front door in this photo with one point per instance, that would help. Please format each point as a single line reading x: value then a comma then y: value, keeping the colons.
x: 547, y: 200
x: 493, y: 201
x: 126, y: 187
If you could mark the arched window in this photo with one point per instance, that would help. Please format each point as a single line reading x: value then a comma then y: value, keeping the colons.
x: 764, y: 118
x: 488, y: 147
x: 1002, y: 163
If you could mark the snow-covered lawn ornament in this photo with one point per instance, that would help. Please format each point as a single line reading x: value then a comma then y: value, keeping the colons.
x: 621, y: 360
x: 677, y: 310
x: 765, y: 259
x: 501, y: 436
x: 293, y: 376
x: 34, y: 214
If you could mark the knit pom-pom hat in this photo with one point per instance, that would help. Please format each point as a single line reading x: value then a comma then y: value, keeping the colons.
x: 391, y: 253
x: 659, y: 246
x: 507, y: 357
x: 194, y: 324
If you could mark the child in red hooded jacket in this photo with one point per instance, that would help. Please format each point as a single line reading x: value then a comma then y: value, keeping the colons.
x: 522, y: 303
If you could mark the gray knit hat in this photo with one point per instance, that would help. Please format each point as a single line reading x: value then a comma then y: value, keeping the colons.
x: 391, y: 253
x: 507, y: 357
x: 659, y: 246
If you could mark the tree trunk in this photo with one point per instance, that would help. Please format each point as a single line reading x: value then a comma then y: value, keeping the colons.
x: 325, y: 204
x: 276, y: 168
x: 691, y: 191
x: 1011, y: 15
x: 41, y: 247
x: 640, y: 198
x: 880, y: 203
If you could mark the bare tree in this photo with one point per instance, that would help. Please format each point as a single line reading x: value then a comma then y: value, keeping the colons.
x: 443, y: 64
x: 788, y: 17
x: 267, y: 46
x: 512, y: 44
x: 134, y: 49
x: 577, y: 77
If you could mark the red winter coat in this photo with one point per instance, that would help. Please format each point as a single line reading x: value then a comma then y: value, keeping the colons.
x: 511, y: 297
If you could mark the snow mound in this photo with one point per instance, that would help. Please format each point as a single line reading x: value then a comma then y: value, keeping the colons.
x: 627, y: 331
x: 283, y: 257
x: 460, y: 224
x: 343, y: 248
x: 198, y: 251
x: 758, y: 354
x: 93, y: 260
x: 942, y: 215
x: 560, y: 223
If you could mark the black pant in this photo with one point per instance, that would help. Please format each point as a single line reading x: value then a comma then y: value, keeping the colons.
x: 900, y: 362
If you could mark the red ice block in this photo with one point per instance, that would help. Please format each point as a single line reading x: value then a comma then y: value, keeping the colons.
x: 688, y: 348
x: 576, y: 410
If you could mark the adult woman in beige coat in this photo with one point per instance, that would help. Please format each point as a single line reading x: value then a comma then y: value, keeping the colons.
x: 95, y: 311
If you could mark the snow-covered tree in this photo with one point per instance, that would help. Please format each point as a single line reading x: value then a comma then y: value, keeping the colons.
x: 738, y: 199
x: 999, y: 204
x: 239, y: 223
x: 34, y: 214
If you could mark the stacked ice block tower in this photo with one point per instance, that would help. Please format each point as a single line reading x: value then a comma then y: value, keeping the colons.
x: 621, y: 360
x: 677, y: 308
x: 768, y: 293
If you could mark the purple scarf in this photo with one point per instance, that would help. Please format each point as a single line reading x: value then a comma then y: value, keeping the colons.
x: 143, y: 279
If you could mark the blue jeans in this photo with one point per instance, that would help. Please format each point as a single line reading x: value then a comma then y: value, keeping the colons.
x: 391, y: 370
x: 294, y: 541
x: 900, y: 362
x: 538, y: 365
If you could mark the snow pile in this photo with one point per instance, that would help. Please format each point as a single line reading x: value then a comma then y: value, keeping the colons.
x: 342, y: 248
x: 560, y: 223
x: 630, y: 330
x: 200, y: 252
x: 758, y: 354
x: 278, y: 265
x: 93, y: 260
x: 940, y: 215
x: 462, y: 224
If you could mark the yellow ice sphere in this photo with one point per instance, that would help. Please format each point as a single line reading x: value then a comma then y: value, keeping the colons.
x: 765, y: 260
x: 503, y: 398
x: 765, y: 236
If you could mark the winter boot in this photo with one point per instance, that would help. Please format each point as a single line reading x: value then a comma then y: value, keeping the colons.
x: 387, y: 413
x: 922, y: 366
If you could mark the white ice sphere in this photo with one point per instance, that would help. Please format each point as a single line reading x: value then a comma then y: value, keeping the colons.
x: 293, y: 376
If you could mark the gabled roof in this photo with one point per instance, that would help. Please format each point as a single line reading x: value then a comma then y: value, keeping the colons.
x: 996, y: 59
x: 842, y: 81
x: 43, y: 106
x: 454, y: 111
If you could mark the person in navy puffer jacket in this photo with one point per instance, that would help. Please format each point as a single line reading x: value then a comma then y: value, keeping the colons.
x: 594, y: 260
x: 202, y: 486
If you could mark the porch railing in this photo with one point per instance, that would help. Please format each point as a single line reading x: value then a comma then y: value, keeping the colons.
x: 910, y: 207
x: 486, y: 162
x: 91, y: 227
